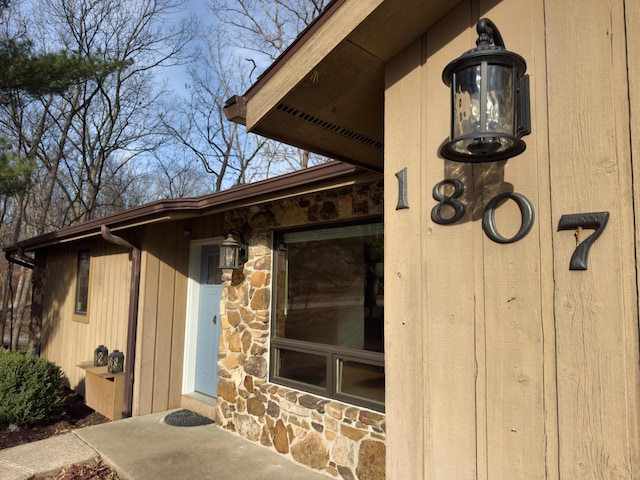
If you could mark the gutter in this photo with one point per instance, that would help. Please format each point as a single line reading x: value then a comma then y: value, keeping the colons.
x: 23, y: 260
x: 174, y: 209
x: 134, y: 297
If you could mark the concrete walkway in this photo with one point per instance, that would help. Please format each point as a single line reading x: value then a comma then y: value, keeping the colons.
x: 146, y: 448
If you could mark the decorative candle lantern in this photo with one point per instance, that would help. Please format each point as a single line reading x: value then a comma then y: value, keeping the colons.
x: 116, y: 362
x: 100, y: 356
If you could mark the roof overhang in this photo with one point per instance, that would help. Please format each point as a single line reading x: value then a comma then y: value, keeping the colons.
x: 326, y: 92
x: 322, y: 177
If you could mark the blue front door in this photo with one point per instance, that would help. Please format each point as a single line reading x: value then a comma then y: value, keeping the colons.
x: 208, y: 322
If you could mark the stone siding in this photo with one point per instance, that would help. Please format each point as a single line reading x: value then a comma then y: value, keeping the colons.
x: 340, y: 440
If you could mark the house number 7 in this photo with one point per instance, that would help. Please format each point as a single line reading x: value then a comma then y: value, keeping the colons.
x: 592, y: 221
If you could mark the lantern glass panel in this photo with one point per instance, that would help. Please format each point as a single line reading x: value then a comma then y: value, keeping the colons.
x: 229, y: 256
x: 466, y: 102
x: 500, y: 99
x: 483, y: 111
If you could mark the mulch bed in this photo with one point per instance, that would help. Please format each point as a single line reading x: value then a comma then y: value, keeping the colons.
x: 72, y: 414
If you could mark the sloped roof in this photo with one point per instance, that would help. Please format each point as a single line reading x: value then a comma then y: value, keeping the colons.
x: 320, y: 177
x: 326, y: 92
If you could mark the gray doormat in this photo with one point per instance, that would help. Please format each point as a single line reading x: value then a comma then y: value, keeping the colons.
x: 186, y: 418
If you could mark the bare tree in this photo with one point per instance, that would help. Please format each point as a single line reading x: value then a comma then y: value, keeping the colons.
x: 247, y: 36
x: 266, y: 27
x: 204, y: 132
x: 111, y: 121
x: 83, y: 141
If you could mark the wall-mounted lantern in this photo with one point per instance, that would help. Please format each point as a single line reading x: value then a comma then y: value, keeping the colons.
x: 100, y: 355
x: 489, y: 100
x: 116, y: 362
x: 234, y: 251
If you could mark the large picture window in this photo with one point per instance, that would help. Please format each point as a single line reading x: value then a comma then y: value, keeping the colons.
x: 328, y: 333
x: 81, y: 307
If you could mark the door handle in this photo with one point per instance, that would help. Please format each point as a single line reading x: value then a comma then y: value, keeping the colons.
x: 215, y: 319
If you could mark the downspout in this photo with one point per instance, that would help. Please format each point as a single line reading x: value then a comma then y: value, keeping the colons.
x: 134, y: 296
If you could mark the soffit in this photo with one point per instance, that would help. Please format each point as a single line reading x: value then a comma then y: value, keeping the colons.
x: 326, y: 93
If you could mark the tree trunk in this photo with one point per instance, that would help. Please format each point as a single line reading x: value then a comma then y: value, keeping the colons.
x: 35, y: 316
x: 18, y: 308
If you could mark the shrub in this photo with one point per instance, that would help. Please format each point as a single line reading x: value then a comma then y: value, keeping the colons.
x: 30, y: 389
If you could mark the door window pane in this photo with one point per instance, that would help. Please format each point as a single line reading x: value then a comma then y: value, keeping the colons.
x: 214, y: 273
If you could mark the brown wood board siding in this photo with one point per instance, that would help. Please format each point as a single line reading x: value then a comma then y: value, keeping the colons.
x: 403, y: 296
x: 179, y: 317
x: 454, y: 318
x: 163, y: 308
x: 632, y: 15
x: 489, y: 370
x: 68, y: 342
x: 514, y: 369
x: 164, y: 325
x: 596, y: 310
x: 148, y: 324
x: 206, y: 227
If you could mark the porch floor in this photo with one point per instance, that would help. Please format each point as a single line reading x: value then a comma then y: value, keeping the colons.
x: 146, y: 448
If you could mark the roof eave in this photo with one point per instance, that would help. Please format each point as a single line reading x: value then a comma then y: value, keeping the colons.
x: 325, y: 93
x: 321, y: 176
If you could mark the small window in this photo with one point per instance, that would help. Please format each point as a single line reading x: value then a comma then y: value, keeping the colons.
x: 328, y: 330
x: 82, y: 284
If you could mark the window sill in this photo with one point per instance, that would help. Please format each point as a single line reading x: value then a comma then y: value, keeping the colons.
x: 80, y: 318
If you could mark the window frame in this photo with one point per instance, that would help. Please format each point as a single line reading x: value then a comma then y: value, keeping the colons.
x: 80, y: 316
x: 332, y: 353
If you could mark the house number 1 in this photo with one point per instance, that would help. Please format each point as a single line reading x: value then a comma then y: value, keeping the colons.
x: 488, y: 218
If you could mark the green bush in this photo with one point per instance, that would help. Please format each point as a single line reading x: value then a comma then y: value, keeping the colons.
x: 30, y: 389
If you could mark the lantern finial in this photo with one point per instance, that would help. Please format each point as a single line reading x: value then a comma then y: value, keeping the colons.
x: 488, y: 33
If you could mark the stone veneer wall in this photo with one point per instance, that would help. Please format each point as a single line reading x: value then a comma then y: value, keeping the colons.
x: 337, y: 439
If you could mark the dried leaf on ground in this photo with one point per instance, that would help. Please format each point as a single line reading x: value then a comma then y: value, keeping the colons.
x: 96, y: 470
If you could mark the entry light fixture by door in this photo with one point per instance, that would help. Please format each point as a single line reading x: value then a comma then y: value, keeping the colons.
x: 489, y: 100
x: 233, y: 251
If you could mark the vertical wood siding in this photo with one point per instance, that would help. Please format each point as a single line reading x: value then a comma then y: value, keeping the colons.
x: 67, y: 342
x: 513, y: 366
x: 596, y: 310
x: 162, y: 312
x: 160, y: 351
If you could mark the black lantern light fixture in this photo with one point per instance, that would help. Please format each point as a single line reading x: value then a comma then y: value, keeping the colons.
x: 489, y: 100
x: 116, y: 362
x: 233, y: 251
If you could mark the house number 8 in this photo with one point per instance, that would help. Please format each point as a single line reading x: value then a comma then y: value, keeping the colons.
x: 488, y: 218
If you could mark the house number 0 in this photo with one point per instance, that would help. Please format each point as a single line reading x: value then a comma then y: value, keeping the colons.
x: 488, y: 217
